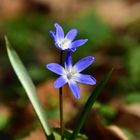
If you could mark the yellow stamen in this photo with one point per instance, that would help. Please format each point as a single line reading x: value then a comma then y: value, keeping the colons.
x: 65, y: 43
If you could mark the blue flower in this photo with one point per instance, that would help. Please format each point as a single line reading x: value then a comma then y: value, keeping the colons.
x: 66, y: 42
x: 71, y: 74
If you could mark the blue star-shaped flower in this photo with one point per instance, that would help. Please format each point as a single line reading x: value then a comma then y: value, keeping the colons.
x: 71, y: 74
x: 66, y: 42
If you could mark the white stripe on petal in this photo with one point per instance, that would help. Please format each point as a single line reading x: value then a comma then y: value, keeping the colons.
x: 71, y: 34
x: 84, y: 79
x: 83, y: 64
x: 74, y: 88
x: 59, y: 32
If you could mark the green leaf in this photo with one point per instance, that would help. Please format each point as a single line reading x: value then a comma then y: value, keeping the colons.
x: 67, y: 134
x: 89, y: 104
x: 29, y: 87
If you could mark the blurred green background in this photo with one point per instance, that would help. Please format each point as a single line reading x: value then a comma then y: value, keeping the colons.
x: 113, y: 30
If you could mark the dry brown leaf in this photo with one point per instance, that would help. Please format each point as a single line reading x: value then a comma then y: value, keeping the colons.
x: 117, y: 132
x: 12, y: 8
x: 119, y: 12
x: 36, y: 135
x: 133, y: 109
x: 129, y: 117
x: 67, y: 8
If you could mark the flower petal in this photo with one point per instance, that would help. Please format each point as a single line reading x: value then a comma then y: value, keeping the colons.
x: 57, y: 46
x: 74, y: 88
x: 71, y: 34
x: 84, y: 79
x: 56, y: 68
x: 68, y: 62
x: 83, y: 64
x: 52, y: 33
x: 59, y: 82
x: 59, y: 32
x: 72, y: 49
x: 78, y: 43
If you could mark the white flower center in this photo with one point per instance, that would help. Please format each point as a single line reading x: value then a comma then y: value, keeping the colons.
x: 65, y: 43
x: 70, y: 74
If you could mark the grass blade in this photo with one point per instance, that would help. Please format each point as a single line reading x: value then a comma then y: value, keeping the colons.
x: 29, y: 87
x: 89, y: 104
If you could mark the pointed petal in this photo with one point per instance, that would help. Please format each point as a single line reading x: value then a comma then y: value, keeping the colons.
x: 56, y: 68
x: 84, y: 79
x: 58, y: 46
x: 72, y: 49
x: 59, y: 82
x: 59, y: 32
x: 74, y: 88
x: 68, y: 62
x: 52, y: 33
x: 83, y: 64
x: 78, y: 43
x: 71, y: 34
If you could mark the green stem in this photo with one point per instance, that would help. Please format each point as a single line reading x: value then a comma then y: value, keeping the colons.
x: 61, y: 103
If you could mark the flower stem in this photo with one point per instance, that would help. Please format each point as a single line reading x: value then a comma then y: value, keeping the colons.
x: 61, y: 103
